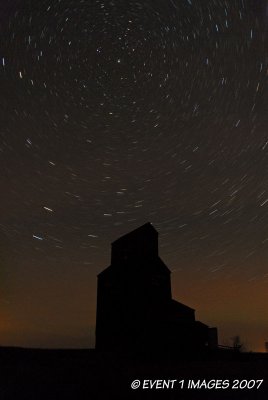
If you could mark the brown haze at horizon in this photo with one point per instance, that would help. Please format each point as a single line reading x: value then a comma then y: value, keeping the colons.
x: 118, y: 113
x: 59, y: 311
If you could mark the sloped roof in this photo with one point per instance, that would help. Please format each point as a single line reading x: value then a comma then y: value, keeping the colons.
x: 140, y: 234
x: 157, y: 265
x: 146, y: 229
x: 178, y: 305
x: 106, y: 271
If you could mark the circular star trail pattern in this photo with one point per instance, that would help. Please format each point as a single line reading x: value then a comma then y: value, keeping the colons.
x: 116, y: 113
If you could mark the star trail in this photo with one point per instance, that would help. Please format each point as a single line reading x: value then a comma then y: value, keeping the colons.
x: 115, y: 113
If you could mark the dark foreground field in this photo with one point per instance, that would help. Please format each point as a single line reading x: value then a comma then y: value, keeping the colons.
x: 83, y: 374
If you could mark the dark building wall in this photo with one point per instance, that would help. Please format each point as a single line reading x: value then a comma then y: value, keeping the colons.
x: 181, y: 312
x: 213, y: 338
x: 128, y: 302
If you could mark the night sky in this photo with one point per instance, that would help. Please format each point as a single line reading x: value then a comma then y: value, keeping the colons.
x: 116, y: 113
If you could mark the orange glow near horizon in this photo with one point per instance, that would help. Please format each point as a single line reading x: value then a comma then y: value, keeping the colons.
x: 234, y: 306
x: 63, y: 315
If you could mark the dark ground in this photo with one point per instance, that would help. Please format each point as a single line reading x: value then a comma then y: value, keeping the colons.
x: 83, y: 374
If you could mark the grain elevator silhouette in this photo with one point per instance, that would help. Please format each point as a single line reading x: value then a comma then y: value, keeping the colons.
x: 135, y: 309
